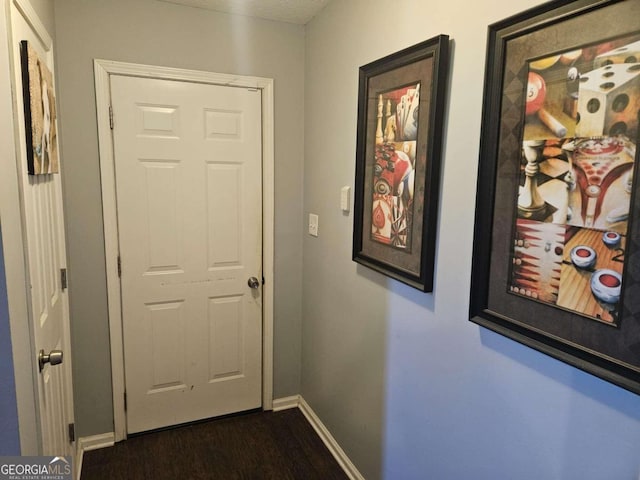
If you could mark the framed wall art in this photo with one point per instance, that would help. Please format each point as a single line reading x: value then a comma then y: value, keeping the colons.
x: 401, y: 102
x: 39, y: 112
x: 556, y: 261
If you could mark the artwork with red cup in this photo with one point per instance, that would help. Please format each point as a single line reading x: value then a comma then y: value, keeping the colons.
x: 611, y: 239
x: 583, y: 256
x: 579, y: 183
x: 556, y: 251
x: 606, y: 285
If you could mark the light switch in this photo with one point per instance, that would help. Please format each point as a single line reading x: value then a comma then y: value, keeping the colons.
x: 345, y: 197
x: 313, y: 224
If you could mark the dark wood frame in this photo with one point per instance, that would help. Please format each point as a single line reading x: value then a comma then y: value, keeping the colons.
x: 26, y: 95
x: 427, y: 63
x: 609, y: 353
x: 51, y: 165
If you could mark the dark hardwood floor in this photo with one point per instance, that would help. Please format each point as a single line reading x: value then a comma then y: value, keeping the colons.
x: 263, y: 445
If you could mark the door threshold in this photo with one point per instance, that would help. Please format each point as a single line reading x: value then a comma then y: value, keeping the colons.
x: 196, y: 422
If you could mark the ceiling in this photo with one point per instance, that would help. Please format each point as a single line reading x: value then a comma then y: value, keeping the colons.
x: 290, y: 11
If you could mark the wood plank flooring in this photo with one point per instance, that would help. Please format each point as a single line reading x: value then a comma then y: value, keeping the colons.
x: 263, y: 445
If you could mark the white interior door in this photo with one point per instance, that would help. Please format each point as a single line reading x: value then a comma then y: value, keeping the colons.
x: 189, y: 201
x: 45, y: 253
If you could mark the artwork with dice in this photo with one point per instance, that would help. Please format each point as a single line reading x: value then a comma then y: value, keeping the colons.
x: 628, y: 53
x: 578, y: 157
x: 609, y: 101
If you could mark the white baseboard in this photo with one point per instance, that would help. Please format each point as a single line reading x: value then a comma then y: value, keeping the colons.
x: 286, y: 403
x: 322, y: 431
x: 94, y: 442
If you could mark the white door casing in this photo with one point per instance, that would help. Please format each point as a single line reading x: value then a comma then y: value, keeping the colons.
x: 44, y: 253
x: 188, y: 186
x: 105, y: 72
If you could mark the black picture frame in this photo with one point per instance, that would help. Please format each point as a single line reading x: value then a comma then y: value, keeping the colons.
x: 540, y: 308
x: 401, y: 103
x: 40, y: 113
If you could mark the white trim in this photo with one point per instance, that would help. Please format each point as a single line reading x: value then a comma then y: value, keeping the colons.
x: 86, y: 444
x: 268, y: 239
x: 110, y: 219
x: 331, y: 443
x: 94, y: 442
x: 102, y: 70
x: 31, y: 17
x: 297, y: 401
x: 286, y: 403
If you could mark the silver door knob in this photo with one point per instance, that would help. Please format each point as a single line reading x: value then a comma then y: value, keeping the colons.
x: 54, y: 358
x: 253, y: 282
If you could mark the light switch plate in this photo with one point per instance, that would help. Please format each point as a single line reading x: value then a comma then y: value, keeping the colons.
x: 345, y: 197
x: 313, y: 224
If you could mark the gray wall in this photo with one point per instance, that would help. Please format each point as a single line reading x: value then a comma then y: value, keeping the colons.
x: 45, y: 11
x: 158, y: 33
x: 406, y: 384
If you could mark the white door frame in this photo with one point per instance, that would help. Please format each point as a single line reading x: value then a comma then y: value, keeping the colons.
x: 103, y: 69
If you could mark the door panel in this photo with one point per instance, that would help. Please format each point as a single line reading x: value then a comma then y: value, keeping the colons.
x: 226, y: 346
x: 223, y: 183
x: 43, y: 222
x: 164, y: 233
x: 188, y: 183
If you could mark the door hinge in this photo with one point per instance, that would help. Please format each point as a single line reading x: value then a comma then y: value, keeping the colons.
x: 119, y: 267
x: 63, y: 278
x: 72, y: 432
x: 111, y: 117
x: 125, y: 401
